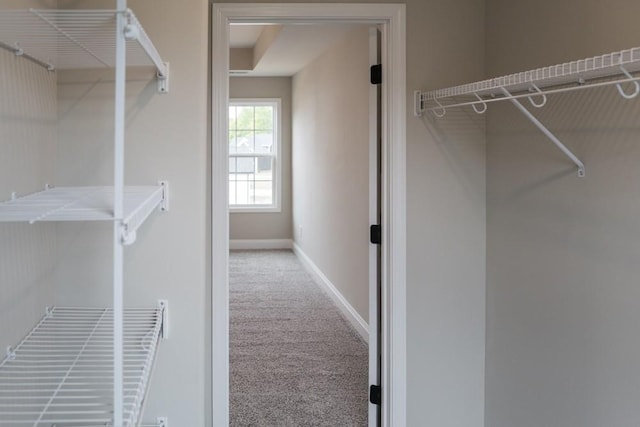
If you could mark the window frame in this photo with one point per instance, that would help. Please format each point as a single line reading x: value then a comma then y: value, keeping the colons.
x: 275, y: 207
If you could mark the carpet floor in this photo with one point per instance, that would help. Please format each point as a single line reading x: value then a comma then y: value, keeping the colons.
x: 295, y: 361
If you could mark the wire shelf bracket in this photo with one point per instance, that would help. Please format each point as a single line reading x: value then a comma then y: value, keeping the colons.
x: 533, y: 119
x: 163, y: 305
x: 615, y: 68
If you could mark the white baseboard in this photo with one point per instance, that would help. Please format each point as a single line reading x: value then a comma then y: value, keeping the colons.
x: 347, y: 309
x: 261, y: 244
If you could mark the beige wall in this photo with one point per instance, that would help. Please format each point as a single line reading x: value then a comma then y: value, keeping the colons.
x: 166, y: 139
x: 267, y: 225
x: 446, y: 221
x: 27, y: 145
x: 331, y: 165
x: 562, y: 258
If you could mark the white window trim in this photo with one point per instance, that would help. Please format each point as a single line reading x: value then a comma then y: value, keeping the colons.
x: 277, y: 179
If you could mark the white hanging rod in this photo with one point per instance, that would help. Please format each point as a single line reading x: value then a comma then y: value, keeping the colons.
x: 533, y: 94
x: 74, y: 39
x: 536, y: 85
x: 581, y: 71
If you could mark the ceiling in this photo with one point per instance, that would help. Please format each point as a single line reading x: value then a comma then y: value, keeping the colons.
x: 280, y: 50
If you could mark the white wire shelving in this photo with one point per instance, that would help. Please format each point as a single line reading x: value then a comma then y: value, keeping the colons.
x: 88, y: 204
x: 88, y: 39
x: 61, y: 374
x: 615, y: 68
x: 78, y: 39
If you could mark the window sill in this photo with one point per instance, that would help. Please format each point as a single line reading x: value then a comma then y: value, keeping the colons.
x: 248, y: 209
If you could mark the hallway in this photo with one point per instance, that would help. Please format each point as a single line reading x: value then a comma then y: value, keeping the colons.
x: 294, y: 360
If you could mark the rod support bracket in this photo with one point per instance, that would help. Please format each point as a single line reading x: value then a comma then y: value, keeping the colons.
x: 546, y: 132
x: 162, y: 421
x: 131, y: 32
x: 163, y: 304
x: 164, y: 206
x: 128, y: 237
x: 418, y: 103
x: 163, y: 79
x: 10, y: 353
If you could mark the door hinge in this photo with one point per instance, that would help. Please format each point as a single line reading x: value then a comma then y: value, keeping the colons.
x: 375, y: 394
x: 376, y: 74
x: 375, y: 234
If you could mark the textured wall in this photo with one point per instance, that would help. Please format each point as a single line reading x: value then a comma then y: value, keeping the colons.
x: 267, y: 225
x: 562, y: 257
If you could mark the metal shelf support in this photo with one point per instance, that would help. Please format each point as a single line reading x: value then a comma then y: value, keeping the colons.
x: 547, y: 132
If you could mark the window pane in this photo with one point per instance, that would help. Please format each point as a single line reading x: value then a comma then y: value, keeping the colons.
x: 244, y: 190
x: 245, y: 142
x: 251, y: 180
x: 246, y: 165
x: 232, y: 192
x: 265, y: 168
x: 233, y: 142
x: 232, y: 117
x: 263, y: 142
x: 264, y: 117
x: 263, y: 192
x: 245, y: 117
x: 264, y: 181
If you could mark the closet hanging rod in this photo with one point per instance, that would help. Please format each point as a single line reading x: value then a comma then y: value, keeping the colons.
x: 502, y: 97
x: 610, y: 65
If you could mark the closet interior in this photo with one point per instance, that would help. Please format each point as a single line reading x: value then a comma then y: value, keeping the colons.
x: 85, y: 366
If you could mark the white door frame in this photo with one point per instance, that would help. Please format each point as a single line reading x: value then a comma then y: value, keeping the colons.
x: 391, y: 18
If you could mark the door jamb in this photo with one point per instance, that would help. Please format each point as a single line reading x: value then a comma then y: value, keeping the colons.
x: 391, y: 18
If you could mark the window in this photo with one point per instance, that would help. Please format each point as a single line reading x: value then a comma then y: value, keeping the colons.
x: 254, y: 170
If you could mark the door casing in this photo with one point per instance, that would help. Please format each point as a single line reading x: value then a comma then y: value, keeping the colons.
x: 391, y: 20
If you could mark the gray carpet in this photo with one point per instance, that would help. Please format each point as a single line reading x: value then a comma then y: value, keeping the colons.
x: 295, y: 361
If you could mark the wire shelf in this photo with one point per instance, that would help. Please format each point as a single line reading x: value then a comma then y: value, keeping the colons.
x: 75, y: 39
x: 79, y: 204
x: 61, y: 374
x: 575, y: 72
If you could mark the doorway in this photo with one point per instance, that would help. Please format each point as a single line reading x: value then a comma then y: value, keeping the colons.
x: 392, y: 359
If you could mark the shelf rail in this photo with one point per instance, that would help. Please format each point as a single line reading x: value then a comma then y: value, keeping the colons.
x: 612, y: 69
